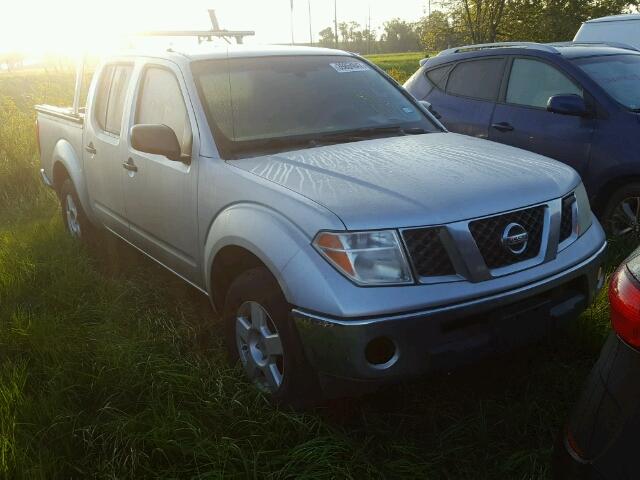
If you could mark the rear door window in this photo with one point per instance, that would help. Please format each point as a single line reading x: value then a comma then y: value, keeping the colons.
x: 478, y: 79
x: 115, y: 108
x: 112, y: 91
x: 533, y: 82
x: 102, y: 97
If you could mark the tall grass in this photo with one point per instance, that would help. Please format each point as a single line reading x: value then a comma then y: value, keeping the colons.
x: 18, y: 172
x: 20, y: 186
x: 112, y: 368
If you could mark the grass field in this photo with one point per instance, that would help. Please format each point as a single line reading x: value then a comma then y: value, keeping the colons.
x: 112, y: 368
x: 399, y: 65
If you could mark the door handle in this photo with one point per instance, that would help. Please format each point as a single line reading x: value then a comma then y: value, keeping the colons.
x: 91, y: 149
x: 502, y: 126
x: 129, y: 165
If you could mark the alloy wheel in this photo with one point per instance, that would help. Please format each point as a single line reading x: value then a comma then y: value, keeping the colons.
x: 625, y: 219
x: 259, y: 346
x: 72, y: 216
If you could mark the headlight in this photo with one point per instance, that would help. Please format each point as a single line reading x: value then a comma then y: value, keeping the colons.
x: 585, y: 217
x: 367, y: 258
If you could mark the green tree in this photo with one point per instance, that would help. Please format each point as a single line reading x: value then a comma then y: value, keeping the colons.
x: 437, y: 32
x: 327, y: 38
x: 480, y: 21
x: 400, y: 36
x: 554, y: 20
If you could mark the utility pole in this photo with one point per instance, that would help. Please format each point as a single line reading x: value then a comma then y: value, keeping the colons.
x: 310, y: 31
x: 292, y: 40
x: 369, y: 31
x: 335, y: 20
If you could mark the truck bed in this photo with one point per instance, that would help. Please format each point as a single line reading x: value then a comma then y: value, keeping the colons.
x: 65, y: 113
x: 59, y: 129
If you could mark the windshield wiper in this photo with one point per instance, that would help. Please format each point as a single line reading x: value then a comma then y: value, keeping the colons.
x: 280, y: 144
x: 369, y: 132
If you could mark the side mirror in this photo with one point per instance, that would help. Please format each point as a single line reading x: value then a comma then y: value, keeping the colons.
x: 157, y: 139
x: 429, y: 107
x: 568, y: 105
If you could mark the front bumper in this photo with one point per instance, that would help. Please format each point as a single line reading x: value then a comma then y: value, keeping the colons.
x: 448, y: 336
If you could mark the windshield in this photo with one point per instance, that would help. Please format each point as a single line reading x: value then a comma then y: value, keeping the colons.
x: 618, y: 75
x: 269, y: 104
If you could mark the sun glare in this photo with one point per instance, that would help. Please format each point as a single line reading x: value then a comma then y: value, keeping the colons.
x: 73, y: 28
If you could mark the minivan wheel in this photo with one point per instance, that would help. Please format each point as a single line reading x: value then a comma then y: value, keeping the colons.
x: 73, y: 216
x: 261, y: 336
x: 621, y: 216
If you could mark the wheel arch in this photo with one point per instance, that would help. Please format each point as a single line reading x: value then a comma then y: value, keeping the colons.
x: 68, y: 164
x: 60, y: 174
x: 244, y: 236
x: 229, y: 263
x: 608, y: 188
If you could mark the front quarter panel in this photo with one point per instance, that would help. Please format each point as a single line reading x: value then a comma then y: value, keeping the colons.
x: 268, y: 220
x: 262, y: 231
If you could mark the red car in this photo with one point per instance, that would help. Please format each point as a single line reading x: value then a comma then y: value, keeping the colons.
x: 602, y: 438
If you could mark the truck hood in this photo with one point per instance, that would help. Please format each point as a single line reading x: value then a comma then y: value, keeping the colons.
x: 415, y: 180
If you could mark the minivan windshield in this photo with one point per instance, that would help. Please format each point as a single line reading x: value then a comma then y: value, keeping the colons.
x: 277, y: 103
x: 618, y: 75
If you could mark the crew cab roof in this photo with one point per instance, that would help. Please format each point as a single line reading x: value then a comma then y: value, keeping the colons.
x: 212, y: 51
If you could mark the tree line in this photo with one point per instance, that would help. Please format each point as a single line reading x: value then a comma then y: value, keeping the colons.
x: 459, y: 22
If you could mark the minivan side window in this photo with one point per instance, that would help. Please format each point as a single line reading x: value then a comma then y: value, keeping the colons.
x: 161, y: 102
x: 112, y: 91
x: 478, y: 79
x: 532, y: 82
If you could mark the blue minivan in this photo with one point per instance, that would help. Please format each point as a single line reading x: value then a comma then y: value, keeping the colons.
x: 577, y: 103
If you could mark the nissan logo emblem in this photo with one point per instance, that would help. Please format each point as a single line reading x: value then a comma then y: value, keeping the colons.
x: 515, y: 238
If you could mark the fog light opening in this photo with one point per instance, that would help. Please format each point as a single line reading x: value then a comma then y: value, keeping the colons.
x: 381, y: 352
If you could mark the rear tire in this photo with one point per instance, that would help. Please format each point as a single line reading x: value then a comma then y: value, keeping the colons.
x: 261, y: 336
x: 73, y: 216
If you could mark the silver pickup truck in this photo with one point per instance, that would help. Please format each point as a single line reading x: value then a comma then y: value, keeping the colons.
x: 343, y: 235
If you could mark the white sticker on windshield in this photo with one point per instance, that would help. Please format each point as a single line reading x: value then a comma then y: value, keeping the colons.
x: 345, y: 67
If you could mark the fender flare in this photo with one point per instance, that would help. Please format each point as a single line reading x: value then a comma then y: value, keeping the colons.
x: 65, y: 154
x: 267, y: 234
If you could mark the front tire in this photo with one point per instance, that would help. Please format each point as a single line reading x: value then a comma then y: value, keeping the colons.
x: 261, y: 336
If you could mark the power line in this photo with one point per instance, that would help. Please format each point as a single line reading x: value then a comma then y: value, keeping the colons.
x: 335, y: 20
x: 292, y: 40
x: 310, y: 31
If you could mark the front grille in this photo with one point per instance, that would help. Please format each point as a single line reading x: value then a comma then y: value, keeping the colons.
x: 566, y: 222
x: 427, y: 253
x: 487, y: 232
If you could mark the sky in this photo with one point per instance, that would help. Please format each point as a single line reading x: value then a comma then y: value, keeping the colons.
x: 70, y: 26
